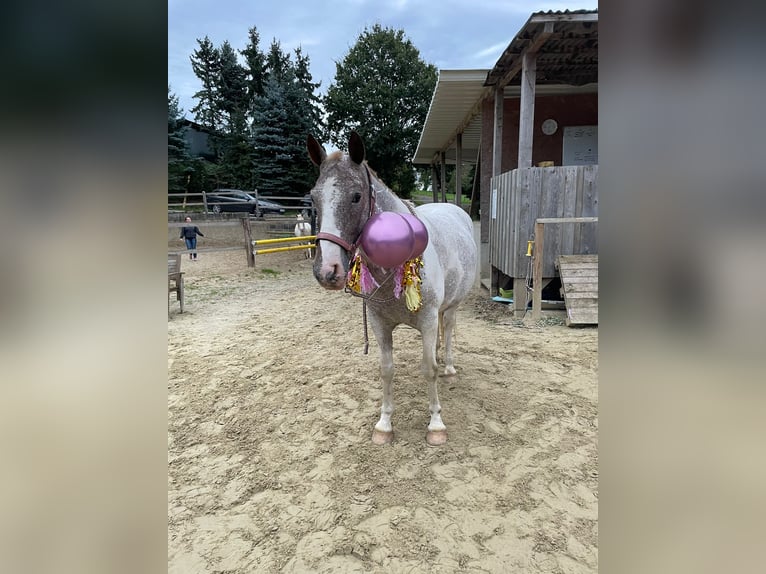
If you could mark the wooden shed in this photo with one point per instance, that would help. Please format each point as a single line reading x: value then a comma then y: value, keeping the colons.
x: 531, y: 126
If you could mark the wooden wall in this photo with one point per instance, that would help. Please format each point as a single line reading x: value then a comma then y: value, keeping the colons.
x: 566, y: 109
x: 520, y: 196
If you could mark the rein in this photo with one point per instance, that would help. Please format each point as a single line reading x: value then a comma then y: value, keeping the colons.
x: 351, y: 250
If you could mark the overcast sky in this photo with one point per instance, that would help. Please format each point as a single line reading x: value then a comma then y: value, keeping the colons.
x: 451, y: 34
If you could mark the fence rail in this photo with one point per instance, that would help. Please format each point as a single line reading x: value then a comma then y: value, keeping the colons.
x: 289, y: 202
x: 282, y: 226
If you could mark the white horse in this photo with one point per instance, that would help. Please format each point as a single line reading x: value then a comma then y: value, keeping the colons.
x: 346, y: 194
x: 303, y: 229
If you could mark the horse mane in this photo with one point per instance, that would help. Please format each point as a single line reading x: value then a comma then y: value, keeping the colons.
x: 337, y: 155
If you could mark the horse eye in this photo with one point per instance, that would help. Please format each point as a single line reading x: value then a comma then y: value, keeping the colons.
x: 357, y: 198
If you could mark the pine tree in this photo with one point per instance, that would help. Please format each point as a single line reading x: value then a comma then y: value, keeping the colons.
x: 258, y: 114
x: 313, y: 103
x: 231, y: 90
x: 270, y: 116
x: 288, y: 110
x: 255, y: 66
x: 234, y: 151
x: 205, y: 64
x: 179, y: 160
x: 278, y: 64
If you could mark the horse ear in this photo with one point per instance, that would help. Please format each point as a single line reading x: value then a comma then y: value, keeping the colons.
x: 356, y: 148
x: 316, y: 151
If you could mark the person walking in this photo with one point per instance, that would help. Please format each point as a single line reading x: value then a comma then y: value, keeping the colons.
x: 189, y: 234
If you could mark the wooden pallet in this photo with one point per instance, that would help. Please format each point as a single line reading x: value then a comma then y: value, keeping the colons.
x: 579, y: 287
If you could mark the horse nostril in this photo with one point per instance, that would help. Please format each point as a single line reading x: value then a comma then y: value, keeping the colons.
x: 333, y: 274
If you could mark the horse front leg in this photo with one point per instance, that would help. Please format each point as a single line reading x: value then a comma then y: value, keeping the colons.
x: 383, y: 433
x: 437, y: 431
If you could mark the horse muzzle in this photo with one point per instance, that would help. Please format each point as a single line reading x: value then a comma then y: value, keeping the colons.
x: 330, y: 271
x: 330, y: 274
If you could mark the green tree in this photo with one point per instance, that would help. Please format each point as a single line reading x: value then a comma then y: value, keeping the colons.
x: 231, y: 88
x: 258, y: 113
x: 313, y: 103
x: 205, y: 64
x: 234, y: 150
x: 255, y: 66
x: 278, y: 64
x: 308, y: 115
x: 466, y: 180
x: 282, y: 117
x: 382, y: 90
x: 179, y: 160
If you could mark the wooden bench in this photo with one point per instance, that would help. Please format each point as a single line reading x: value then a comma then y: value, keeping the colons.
x: 175, y: 280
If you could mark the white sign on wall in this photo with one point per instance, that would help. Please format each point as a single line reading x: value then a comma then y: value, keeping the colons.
x: 580, y: 145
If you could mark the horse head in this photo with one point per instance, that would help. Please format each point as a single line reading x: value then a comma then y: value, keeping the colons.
x: 344, y: 200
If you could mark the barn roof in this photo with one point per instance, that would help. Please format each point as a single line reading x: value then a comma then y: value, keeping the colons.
x: 567, y: 62
x: 566, y: 45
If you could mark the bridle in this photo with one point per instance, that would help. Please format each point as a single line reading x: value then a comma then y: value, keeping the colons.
x: 351, y: 250
x: 351, y: 247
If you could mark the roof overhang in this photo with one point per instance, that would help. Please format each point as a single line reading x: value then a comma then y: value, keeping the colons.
x: 566, y: 44
x: 455, y: 107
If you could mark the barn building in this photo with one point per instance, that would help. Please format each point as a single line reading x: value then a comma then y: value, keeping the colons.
x: 530, y: 124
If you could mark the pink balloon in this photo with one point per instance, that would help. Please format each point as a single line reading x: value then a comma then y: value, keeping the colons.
x: 387, y: 239
x: 420, y: 232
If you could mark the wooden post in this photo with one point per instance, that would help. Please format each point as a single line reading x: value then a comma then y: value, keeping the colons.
x: 474, y: 210
x: 434, y: 183
x: 497, y: 161
x: 443, y: 182
x: 497, y: 134
x: 527, y: 109
x: 537, y: 271
x: 204, y: 200
x: 248, y: 241
x: 459, y: 169
x: 519, y: 296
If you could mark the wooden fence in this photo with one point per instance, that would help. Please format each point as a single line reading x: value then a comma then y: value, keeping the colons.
x: 199, y: 202
x: 521, y: 196
x: 279, y: 226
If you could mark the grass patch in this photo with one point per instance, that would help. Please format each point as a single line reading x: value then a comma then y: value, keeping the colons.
x: 272, y: 272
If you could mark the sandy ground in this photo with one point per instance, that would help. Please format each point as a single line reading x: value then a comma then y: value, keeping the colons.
x: 271, y: 404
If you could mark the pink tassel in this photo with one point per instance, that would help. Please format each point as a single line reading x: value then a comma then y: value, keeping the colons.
x: 398, y: 279
x: 367, y: 280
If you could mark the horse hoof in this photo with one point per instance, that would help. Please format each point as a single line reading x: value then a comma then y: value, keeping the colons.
x: 436, y: 437
x: 449, y: 371
x: 381, y: 437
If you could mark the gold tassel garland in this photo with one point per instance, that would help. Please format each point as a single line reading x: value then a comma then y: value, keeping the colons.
x: 353, y: 280
x: 411, y: 282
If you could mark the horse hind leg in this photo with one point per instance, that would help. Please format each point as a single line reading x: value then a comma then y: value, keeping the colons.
x: 440, y: 332
x: 449, y: 321
x: 437, y: 431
